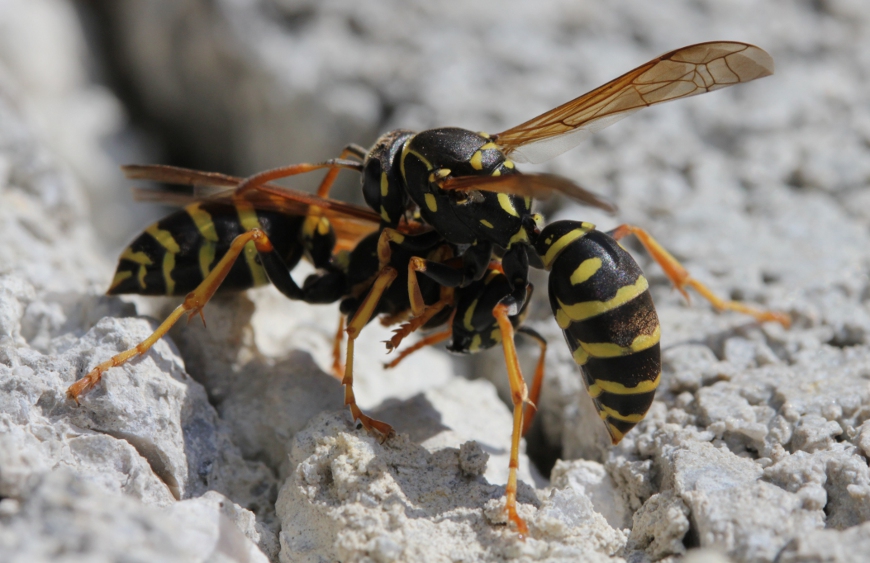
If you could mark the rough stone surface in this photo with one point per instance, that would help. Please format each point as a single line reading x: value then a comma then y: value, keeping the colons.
x: 756, y: 448
x: 352, y: 498
x: 65, y: 518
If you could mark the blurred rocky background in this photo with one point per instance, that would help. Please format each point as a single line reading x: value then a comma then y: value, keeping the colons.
x: 231, y: 444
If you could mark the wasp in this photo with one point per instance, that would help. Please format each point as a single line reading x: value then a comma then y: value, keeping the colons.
x: 448, y: 240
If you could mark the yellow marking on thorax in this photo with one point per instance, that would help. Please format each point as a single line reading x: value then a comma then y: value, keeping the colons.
x: 486, y: 223
x: 168, y: 266
x: 610, y: 350
x: 165, y: 238
x: 508, y: 163
x: 588, y: 309
x: 203, y: 221
x: 384, y: 215
x: 488, y: 146
x: 469, y: 313
x: 406, y: 150
x: 602, y: 386
x: 519, y: 236
x: 585, y: 270
x: 476, y: 160
x: 496, y: 172
x: 557, y: 247
x: 504, y: 200
x: 491, y: 276
x: 206, y: 257
x: 385, y: 185
x: 431, y: 203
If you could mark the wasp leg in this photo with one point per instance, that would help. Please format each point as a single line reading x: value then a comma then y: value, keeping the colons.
x: 534, y: 395
x: 430, y: 340
x: 420, y: 312
x: 192, y: 305
x: 519, y: 397
x: 396, y: 318
x: 350, y: 150
x: 445, y: 276
x: 680, y: 277
x: 412, y: 243
x: 362, y: 316
x: 407, y: 328
x: 251, y: 182
x: 337, y: 366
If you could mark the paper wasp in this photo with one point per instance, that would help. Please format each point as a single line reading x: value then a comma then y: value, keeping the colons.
x: 449, y: 240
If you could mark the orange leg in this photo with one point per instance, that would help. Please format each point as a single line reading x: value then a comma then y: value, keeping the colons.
x: 418, y: 264
x: 396, y: 318
x: 680, y: 277
x: 192, y: 305
x: 337, y: 366
x: 329, y: 179
x: 519, y: 397
x: 333, y: 164
x: 430, y: 340
x: 446, y: 300
x: 534, y: 395
x: 354, y: 326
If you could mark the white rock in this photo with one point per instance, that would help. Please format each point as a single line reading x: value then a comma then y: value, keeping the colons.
x: 592, y: 480
x: 660, y: 526
x: 65, y: 518
x: 836, y: 546
x: 352, y: 498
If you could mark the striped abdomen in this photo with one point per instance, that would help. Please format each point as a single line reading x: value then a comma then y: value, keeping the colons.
x: 602, y: 304
x: 173, y: 256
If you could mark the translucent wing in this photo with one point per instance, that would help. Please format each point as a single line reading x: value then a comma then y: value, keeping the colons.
x: 350, y: 222
x: 217, y: 186
x: 681, y: 73
x: 538, y: 186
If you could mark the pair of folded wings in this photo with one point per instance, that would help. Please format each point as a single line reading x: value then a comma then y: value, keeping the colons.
x: 678, y: 74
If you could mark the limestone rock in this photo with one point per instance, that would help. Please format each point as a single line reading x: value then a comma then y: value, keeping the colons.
x: 352, y: 498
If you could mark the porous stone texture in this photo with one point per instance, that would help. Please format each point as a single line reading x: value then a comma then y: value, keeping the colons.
x: 352, y: 498
x: 231, y: 444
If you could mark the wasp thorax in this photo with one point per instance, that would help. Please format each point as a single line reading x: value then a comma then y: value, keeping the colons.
x: 383, y: 187
x: 431, y: 158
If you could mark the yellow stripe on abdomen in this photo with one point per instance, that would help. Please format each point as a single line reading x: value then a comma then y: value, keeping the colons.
x: 588, y: 309
x: 249, y: 220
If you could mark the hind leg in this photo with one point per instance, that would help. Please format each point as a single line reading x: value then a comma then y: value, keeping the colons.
x: 681, y: 278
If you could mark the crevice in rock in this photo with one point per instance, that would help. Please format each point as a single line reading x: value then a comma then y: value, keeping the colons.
x: 541, y: 452
x: 158, y: 466
x: 692, y: 539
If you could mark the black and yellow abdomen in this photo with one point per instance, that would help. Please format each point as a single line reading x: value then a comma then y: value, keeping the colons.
x: 602, y: 303
x: 173, y: 256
